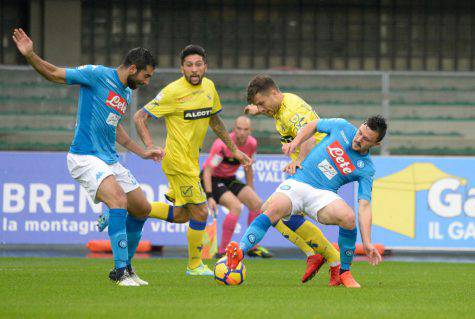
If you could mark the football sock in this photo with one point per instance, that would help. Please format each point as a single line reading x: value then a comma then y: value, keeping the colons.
x: 314, y: 237
x: 134, y: 228
x: 252, y: 215
x: 291, y: 236
x: 161, y: 211
x: 195, y: 243
x: 118, y: 236
x: 346, y: 242
x: 229, y: 224
x: 255, y: 232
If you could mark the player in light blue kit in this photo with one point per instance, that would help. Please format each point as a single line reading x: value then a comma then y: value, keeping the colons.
x: 341, y: 157
x: 92, y: 159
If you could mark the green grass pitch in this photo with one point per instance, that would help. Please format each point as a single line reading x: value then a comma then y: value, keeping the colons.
x: 79, y: 288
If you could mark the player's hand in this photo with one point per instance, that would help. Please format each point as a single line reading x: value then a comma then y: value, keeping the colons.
x: 154, y: 153
x: 213, y: 207
x: 251, y: 109
x: 373, y: 254
x: 243, y: 159
x: 23, y: 42
x: 291, y: 168
x: 289, y: 148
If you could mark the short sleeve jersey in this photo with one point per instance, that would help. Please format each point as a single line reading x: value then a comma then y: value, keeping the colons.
x: 221, y: 159
x: 103, y: 101
x: 333, y: 162
x: 187, y: 110
x: 294, y: 113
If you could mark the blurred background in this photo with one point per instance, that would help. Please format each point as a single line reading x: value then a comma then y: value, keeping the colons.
x: 410, y: 60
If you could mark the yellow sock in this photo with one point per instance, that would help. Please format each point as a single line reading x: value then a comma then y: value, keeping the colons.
x: 294, y: 238
x: 314, y: 237
x: 161, y: 211
x: 195, y: 243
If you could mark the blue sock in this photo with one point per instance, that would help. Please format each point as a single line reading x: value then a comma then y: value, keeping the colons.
x: 118, y: 236
x: 255, y: 232
x: 134, y: 233
x: 346, y: 242
x: 294, y: 222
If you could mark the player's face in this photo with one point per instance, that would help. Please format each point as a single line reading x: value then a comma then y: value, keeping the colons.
x: 364, y: 139
x: 139, y: 78
x: 242, y: 130
x: 267, y: 102
x: 194, y: 69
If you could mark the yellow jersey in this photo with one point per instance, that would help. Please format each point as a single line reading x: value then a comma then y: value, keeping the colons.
x: 293, y: 114
x: 187, y: 110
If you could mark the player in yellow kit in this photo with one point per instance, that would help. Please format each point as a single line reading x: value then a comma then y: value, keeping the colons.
x: 291, y: 113
x: 189, y: 105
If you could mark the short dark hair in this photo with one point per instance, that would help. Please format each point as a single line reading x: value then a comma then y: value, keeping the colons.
x: 259, y: 84
x: 378, y: 124
x: 192, y: 49
x: 140, y: 57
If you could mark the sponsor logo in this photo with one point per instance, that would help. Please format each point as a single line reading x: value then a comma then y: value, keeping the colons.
x: 298, y: 121
x: 349, y: 253
x: 116, y: 102
x: 122, y: 243
x: 344, y: 137
x: 340, y: 158
x: 111, y: 83
x: 327, y: 169
x: 285, y: 187
x: 197, y: 114
x: 252, y: 238
x: 113, y: 119
x: 360, y: 164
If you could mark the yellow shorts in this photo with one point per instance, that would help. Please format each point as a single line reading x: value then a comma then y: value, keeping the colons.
x: 184, y: 190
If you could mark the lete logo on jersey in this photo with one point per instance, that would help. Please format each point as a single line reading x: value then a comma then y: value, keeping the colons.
x: 340, y: 158
x: 116, y: 102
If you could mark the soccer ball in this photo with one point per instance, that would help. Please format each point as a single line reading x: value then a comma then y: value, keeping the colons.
x: 225, y: 276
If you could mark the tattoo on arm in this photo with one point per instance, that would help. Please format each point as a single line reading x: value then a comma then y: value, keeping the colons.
x: 219, y: 129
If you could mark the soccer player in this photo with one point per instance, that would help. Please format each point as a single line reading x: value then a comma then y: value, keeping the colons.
x: 291, y: 113
x: 221, y: 185
x: 189, y: 105
x: 341, y: 158
x: 92, y: 159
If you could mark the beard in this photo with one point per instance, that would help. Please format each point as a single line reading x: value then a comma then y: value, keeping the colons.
x: 132, y: 82
x: 189, y: 79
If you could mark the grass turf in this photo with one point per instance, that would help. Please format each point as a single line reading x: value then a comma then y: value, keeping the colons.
x: 79, y: 288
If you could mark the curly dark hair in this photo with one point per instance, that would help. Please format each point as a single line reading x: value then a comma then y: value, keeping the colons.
x: 378, y: 124
x: 141, y: 57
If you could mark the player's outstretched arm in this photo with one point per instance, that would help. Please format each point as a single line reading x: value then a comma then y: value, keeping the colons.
x: 364, y: 222
x: 47, y: 70
x: 207, y: 184
x: 305, y: 133
x: 155, y: 153
x: 219, y: 129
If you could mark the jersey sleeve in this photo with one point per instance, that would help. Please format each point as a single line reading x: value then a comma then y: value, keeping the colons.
x: 83, y: 75
x: 162, y: 105
x: 327, y: 125
x: 216, y: 102
x: 365, y: 187
x: 215, y: 155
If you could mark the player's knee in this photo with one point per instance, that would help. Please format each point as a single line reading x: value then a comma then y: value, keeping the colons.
x: 348, y: 220
x: 256, y: 205
x: 117, y: 200
x: 235, y: 209
x: 180, y: 217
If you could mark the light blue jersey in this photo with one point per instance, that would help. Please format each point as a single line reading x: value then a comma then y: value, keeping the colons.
x: 103, y: 101
x: 333, y: 163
